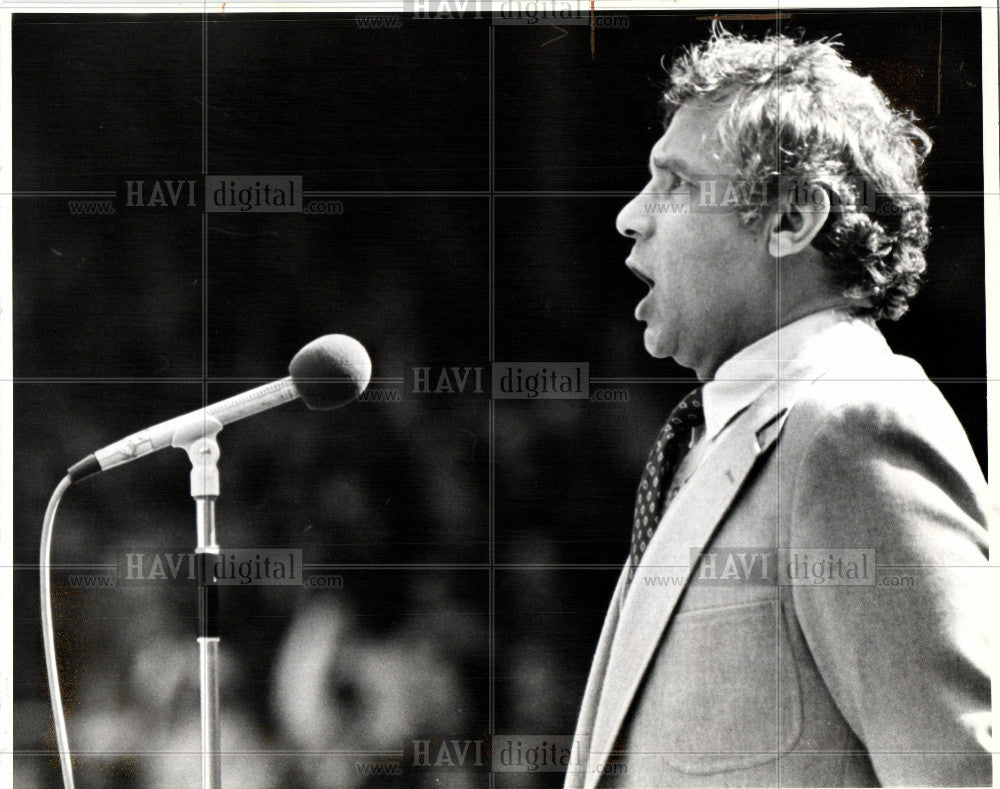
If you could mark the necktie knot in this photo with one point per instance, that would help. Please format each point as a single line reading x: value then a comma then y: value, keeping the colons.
x: 688, y: 413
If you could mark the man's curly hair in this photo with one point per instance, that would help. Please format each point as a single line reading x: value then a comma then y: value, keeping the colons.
x: 799, y: 110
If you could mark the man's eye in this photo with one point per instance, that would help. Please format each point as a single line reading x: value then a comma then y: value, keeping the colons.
x: 677, y: 182
x: 673, y: 181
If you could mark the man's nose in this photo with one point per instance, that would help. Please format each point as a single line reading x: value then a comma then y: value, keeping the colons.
x: 632, y: 221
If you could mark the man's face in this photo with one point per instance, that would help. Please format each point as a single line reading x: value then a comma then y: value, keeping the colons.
x: 709, y: 276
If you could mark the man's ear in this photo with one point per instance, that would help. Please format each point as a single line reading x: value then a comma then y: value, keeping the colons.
x: 801, y: 212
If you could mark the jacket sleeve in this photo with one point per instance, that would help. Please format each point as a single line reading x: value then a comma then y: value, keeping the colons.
x: 904, y: 653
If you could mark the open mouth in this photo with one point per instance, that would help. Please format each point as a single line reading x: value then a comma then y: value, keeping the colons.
x: 641, y: 276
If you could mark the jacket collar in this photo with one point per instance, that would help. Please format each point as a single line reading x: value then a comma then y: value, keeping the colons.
x: 821, y: 338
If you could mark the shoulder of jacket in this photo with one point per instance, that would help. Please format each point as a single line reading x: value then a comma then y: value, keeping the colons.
x: 867, y: 399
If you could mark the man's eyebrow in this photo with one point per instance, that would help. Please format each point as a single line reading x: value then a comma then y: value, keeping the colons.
x: 669, y: 163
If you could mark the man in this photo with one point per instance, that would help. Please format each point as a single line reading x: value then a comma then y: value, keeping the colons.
x: 805, y: 599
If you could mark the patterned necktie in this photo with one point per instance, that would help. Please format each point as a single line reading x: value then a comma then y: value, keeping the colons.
x: 664, y: 458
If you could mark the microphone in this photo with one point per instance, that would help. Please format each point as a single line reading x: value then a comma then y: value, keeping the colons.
x: 328, y: 373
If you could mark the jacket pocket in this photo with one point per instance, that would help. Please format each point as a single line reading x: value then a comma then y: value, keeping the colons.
x: 723, y: 691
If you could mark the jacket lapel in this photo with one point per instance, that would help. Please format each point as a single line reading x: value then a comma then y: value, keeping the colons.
x: 685, y: 530
x: 588, y: 708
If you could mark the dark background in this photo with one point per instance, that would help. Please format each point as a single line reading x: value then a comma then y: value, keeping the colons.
x: 480, y: 540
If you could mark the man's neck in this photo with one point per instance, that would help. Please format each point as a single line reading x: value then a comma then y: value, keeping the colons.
x: 764, y: 328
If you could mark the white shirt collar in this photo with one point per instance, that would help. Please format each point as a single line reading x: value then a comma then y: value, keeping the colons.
x: 742, y: 378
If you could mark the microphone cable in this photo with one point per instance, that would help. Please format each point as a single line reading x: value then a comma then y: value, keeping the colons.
x: 48, y: 632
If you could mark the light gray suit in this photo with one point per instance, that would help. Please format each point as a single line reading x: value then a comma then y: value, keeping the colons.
x: 744, y: 681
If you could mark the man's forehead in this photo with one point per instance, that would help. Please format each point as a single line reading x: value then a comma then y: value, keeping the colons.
x: 691, y: 141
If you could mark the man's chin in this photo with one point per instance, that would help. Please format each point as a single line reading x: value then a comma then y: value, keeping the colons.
x: 655, y: 346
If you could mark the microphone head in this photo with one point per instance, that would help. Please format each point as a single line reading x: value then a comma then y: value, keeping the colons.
x: 331, y: 371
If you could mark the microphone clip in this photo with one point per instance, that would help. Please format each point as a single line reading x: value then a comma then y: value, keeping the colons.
x: 198, y: 440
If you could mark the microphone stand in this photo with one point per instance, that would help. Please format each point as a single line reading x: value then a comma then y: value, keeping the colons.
x: 203, y: 450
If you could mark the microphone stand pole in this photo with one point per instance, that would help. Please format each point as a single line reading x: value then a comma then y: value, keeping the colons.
x: 203, y: 450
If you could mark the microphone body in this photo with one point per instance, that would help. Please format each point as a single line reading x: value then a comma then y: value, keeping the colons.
x: 329, y: 372
x: 232, y: 409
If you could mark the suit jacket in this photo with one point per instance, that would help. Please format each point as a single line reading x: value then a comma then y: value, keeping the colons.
x: 811, y: 610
